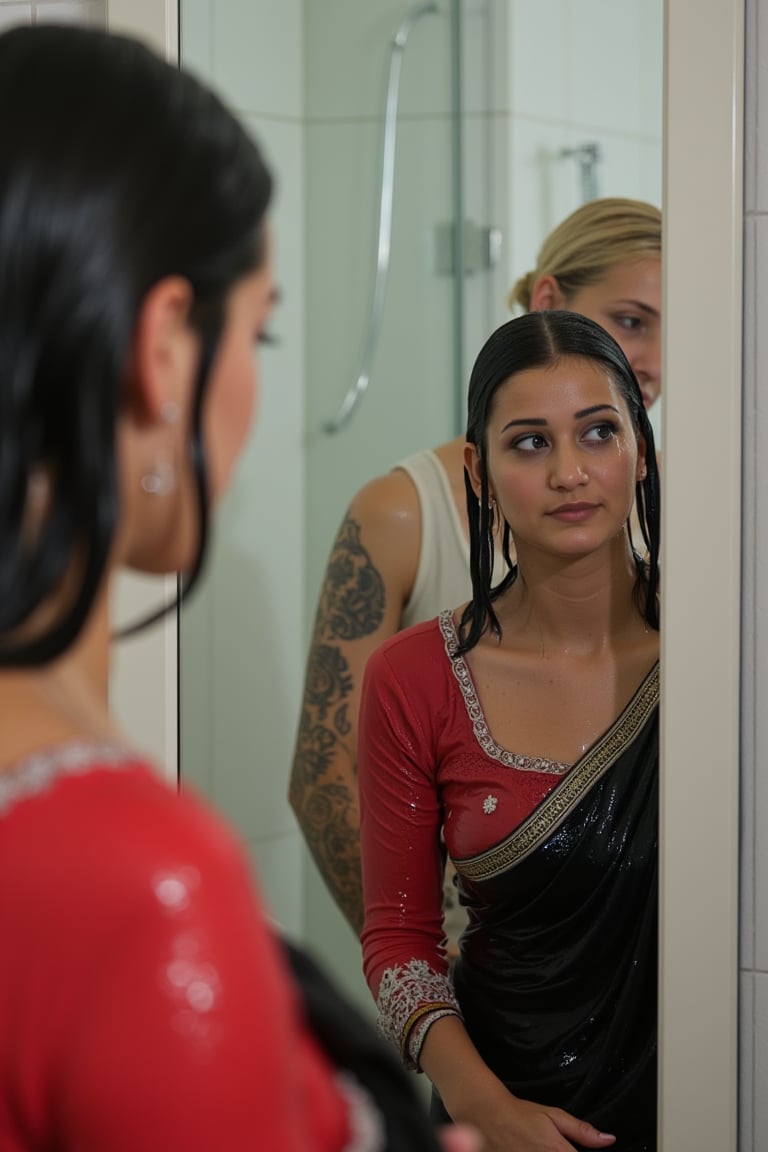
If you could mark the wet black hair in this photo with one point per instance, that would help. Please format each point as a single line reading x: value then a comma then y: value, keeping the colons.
x: 116, y: 171
x: 538, y: 340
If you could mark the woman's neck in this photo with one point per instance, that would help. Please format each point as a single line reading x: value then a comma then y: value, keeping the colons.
x: 62, y: 701
x: 581, y: 606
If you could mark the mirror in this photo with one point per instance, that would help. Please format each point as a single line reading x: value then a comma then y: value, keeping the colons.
x: 501, y: 105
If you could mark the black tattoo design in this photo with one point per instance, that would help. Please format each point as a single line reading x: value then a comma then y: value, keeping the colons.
x: 334, y: 841
x: 351, y: 607
x: 352, y: 602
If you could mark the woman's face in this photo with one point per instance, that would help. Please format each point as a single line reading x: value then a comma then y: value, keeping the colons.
x: 563, y: 458
x: 627, y: 303
x: 233, y: 390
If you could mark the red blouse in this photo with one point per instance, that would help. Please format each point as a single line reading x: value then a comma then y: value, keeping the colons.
x: 144, y: 1006
x: 429, y: 769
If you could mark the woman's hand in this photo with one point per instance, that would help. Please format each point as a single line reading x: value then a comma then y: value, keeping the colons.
x: 522, y: 1126
x: 475, y: 1097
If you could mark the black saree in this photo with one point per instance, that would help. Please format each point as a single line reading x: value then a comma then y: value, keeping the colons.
x: 557, y: 978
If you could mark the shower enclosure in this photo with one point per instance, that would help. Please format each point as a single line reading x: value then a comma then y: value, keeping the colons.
x: 496, y: 100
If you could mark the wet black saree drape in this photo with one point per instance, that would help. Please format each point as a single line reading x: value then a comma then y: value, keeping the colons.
x: 558, y: 973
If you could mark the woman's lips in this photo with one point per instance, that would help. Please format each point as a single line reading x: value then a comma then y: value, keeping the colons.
x: 573, y: 513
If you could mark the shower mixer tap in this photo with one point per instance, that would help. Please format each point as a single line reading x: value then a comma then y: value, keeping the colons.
x: 587, y: 156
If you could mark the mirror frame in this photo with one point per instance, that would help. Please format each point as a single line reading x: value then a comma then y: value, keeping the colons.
x: 703, y: 213
x: 699, y: 859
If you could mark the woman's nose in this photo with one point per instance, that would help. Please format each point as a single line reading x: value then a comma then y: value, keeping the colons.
x: 567, y: 468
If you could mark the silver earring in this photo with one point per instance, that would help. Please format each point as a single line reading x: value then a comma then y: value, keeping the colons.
x: 161, y: 479
x: 169, y: 413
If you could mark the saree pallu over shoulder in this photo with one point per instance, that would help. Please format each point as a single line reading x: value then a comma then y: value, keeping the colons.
x: 551, y: 813
x: 557, y: 979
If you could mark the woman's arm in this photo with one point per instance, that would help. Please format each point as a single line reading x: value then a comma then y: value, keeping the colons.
x: 472, y: 1094
x: 367, y: 583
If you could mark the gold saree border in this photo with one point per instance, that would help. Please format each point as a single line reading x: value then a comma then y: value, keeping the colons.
x: 555, y: 807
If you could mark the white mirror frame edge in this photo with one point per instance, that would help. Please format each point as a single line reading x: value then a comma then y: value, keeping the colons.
x: 700, y: 661
x: 703, y: 212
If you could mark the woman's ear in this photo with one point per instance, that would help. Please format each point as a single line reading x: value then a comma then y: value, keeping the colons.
x: 546, y: 294
x: 163, y: 351
x: 472, y: 465
x: 642, y: 467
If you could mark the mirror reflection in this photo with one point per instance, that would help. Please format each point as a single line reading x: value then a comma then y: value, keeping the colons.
x: 509, y: 117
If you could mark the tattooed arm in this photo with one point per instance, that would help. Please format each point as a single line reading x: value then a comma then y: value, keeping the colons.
x: 367, y: 583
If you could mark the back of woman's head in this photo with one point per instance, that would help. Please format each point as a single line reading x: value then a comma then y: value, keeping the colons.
x: 587, y: 243
x: 542, y: 340
x: 117, y: 171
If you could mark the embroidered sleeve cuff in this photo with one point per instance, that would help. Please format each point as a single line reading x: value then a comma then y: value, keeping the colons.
x: 411, y: 997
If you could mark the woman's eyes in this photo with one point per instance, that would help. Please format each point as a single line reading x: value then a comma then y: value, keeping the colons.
x: 536, y: 442
x: 532, y: 442
x: 628, y: 323
x: 600, y: 432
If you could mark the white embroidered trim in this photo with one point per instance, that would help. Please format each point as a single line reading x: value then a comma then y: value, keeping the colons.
x: 404, y: 990
x: 366, y: 1127
x: 36, y: 773
x: 475, y: 712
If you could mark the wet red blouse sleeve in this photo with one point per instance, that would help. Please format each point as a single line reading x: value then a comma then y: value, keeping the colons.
x: 402, y: 856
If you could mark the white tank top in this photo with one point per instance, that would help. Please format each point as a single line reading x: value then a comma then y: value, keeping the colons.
x: 442, y: 577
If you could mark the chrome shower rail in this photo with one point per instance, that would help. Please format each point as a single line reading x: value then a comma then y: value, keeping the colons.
x: 383, y: 245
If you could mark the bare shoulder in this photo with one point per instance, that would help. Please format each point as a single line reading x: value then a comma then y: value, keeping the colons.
x: 382, y: 528
x: 387, y: 501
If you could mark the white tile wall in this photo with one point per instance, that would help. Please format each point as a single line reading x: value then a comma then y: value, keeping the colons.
x: 611, y: 81
x: 537, y: 54
x: 277, y: 861
x: 350, y: 52
x: 53, y: 12
x: 256, y: 56
x: 12, y: 15
x: 91, y: 12
x: 242, y: 639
